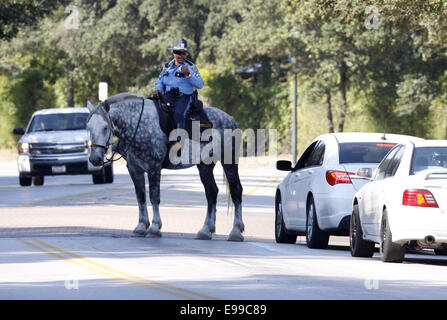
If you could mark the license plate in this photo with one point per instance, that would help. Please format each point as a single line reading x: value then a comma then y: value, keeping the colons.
x: 58, y: 169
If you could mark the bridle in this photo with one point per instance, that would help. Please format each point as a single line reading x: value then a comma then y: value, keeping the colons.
x: 109, y: 122
x: 107, y: 119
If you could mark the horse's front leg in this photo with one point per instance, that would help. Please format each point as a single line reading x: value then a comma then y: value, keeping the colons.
x: 140, y: 190
x: 154, y: 195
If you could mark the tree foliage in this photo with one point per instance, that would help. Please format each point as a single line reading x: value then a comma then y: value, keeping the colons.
x: 384, y: 61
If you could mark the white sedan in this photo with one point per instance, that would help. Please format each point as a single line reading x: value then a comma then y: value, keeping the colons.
x: 315, y: 198
x: 405, y: 203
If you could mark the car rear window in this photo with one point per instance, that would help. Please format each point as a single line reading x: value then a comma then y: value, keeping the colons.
x: 428, y: 158
x: 60, y: 121
x: 363, y: 152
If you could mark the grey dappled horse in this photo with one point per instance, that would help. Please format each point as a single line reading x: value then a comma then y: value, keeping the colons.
x: 146, y: 149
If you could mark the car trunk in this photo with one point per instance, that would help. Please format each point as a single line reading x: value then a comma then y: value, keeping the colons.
x: 437, y: 185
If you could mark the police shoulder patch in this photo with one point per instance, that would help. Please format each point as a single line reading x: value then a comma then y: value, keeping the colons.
x: 194, y: 68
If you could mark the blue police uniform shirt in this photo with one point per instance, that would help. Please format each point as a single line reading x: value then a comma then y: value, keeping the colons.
x: 171, y: 77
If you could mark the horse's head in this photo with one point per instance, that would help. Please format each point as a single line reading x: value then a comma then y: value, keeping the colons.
x: 101, y: 131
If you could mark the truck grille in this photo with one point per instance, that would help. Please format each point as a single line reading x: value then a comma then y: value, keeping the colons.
x: 57, y: 148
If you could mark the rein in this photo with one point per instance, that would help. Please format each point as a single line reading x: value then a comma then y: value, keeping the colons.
x: 106, y: 117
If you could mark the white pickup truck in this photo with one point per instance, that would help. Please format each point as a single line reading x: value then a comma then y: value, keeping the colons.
x: 57, y: 142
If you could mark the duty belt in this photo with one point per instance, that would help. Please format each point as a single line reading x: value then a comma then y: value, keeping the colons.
x: 176, y: 92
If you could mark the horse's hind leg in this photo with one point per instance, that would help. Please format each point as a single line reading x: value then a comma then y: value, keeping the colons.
x: 211, y: 190
x: 140, y: 190
x: 154, y: 195
x: 231, y: 172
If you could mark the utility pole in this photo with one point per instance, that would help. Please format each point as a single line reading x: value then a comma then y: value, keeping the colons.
x: 69, y: 68
x: 294, y: 120
x: 103, y: 91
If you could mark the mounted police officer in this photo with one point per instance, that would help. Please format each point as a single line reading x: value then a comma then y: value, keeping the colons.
x: 178, y: 80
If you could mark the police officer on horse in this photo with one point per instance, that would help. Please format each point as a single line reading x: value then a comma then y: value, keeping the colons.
x: 178, y: 80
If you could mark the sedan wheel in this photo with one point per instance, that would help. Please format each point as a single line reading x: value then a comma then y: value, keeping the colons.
x: 389, y: 251
x: 359, y: 246
x: 281, y: 233
x: 315, y: 237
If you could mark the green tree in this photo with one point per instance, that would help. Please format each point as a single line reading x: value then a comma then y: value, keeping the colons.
x: 15, y: 14
x: 377, y: 53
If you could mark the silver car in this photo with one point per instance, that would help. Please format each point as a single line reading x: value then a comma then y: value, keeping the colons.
x: 56, y: 142
x: 315, y: 198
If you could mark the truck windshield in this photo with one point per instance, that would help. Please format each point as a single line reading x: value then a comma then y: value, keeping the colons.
x: 60, y: 121
x: 363, y: 152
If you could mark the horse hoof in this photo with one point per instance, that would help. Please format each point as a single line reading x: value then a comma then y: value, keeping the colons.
x: 235, y: 236
x: 137, y: 234
x: 154, y: 232
x: 202, y: 235
x: 139, y: 231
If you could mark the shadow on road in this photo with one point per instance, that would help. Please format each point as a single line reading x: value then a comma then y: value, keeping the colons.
x: 81, y: 231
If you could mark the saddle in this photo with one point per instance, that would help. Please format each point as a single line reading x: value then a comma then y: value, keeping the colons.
x: 165, y: 109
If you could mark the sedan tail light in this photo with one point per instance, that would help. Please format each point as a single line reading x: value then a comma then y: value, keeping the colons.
x: 335, y: 177
x: 419, y: 198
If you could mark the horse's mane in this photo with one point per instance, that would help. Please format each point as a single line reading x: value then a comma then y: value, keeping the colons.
x: 120, y: 97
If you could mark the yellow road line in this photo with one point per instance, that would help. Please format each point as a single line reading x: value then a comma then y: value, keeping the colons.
x: 174, y: 206
x: 96, y: 267
x: 120, y: 272
x: 224, y: 198
x: 98, y: 271
x: 261, y: 185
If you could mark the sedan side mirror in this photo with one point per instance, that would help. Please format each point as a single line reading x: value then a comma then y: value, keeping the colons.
x: 365, y: 173
x: 284, y: 165
x: 19, y: 130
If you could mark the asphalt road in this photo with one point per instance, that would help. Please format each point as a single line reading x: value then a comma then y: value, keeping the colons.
x: 70, y: 239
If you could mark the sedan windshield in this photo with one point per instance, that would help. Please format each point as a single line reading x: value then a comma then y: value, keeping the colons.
x: 429, y: 158
x: 363, y: 152
x: 60, y: 121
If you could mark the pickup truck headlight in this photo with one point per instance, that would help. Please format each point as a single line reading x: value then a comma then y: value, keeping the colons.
x: 24, y: 148
x: 88, y: 145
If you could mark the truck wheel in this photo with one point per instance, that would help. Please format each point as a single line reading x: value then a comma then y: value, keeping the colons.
x: 315, y: 237
x: 98, y: 177
x: 25, y: 181
x: 359, y: 246
x: 38, y: 181
x: 108, y: 174
x: 441, y: 252
x: 389, y: 251
x: 281, y: 233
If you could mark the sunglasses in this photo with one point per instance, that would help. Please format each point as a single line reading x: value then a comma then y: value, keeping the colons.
x: 181, y: 53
